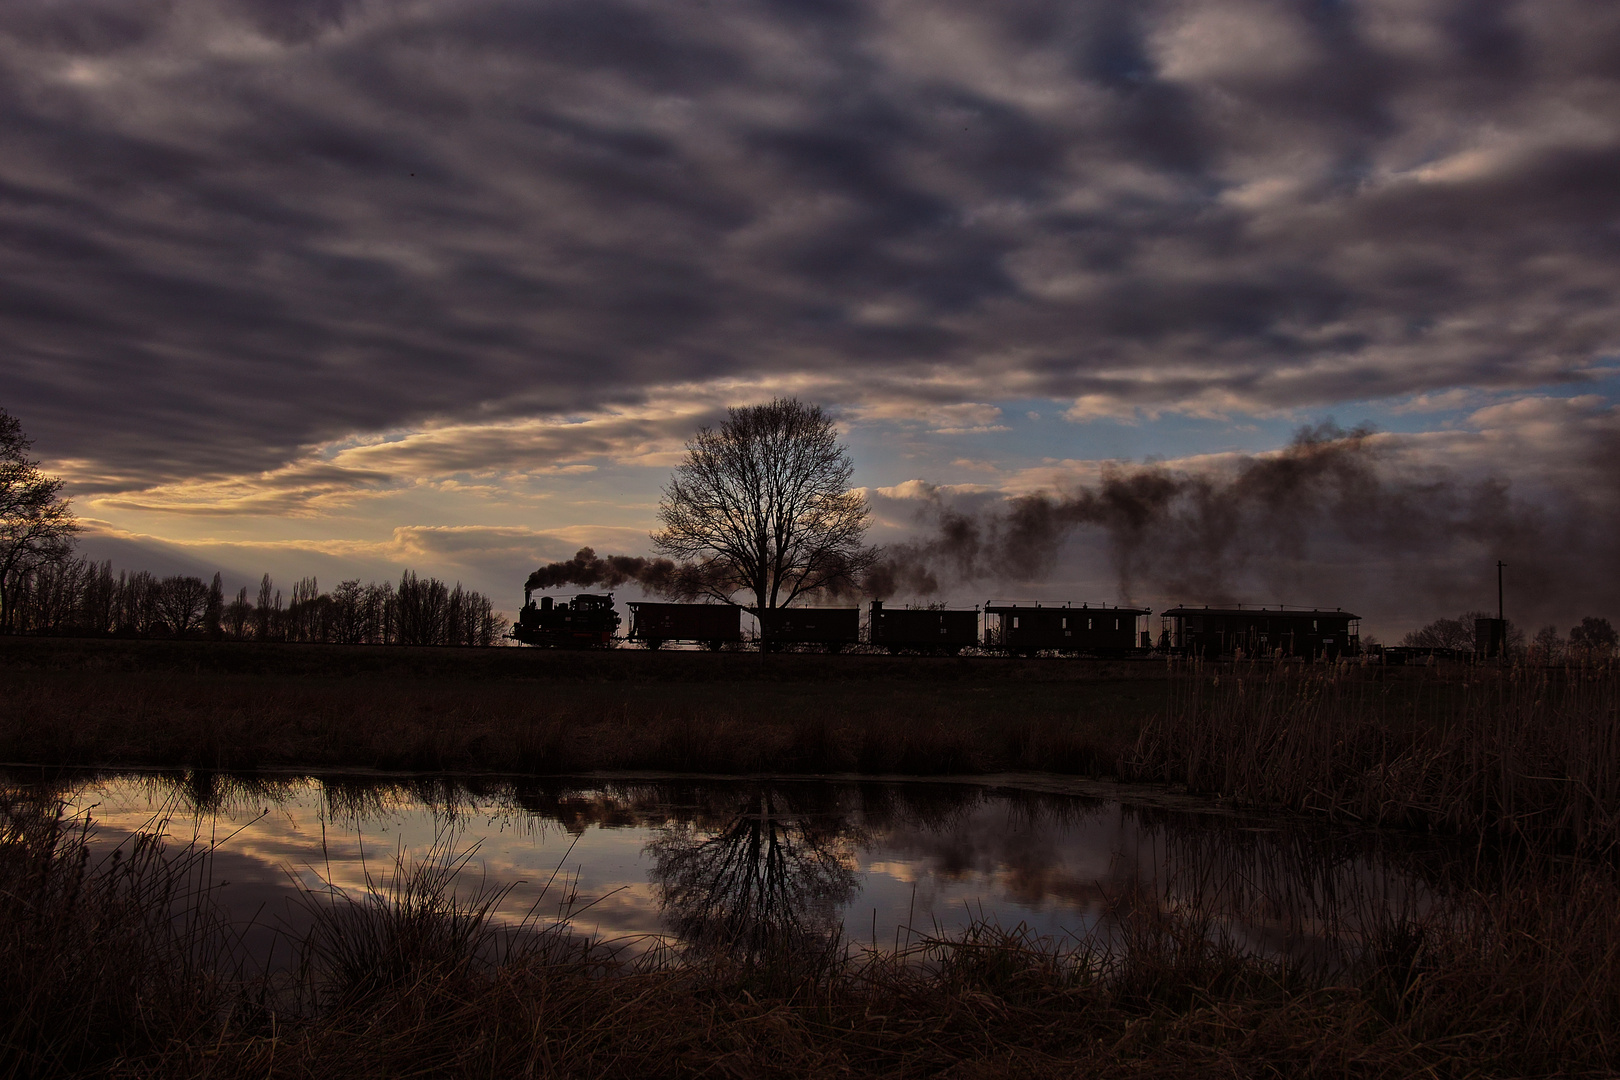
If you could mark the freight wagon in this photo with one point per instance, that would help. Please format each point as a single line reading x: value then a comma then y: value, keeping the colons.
x: 930, y: 630
x: 831, y: 627
x: 712, y: 625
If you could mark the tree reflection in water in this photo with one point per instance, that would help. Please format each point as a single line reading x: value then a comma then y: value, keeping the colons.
x: 768, y: 882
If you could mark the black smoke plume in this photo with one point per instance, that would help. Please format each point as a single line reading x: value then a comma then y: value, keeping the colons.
x: 1331, y: 515
x: 657, y: 577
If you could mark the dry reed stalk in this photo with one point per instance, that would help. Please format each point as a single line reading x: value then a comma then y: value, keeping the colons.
x: 1529, y: 753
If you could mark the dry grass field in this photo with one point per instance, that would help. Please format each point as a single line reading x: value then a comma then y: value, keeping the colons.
x: 241, y: 706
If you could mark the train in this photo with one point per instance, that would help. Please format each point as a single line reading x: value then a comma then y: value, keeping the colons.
x: 1017, y: 629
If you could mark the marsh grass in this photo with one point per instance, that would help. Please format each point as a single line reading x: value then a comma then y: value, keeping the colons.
x: 1528, y: 754
x: 117, y: 966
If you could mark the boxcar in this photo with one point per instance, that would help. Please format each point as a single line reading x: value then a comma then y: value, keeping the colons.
x: 1260, y: 631
x: 1030, y: 628
x: 923, y: 630
x: 708, y: 624
x: 832, y: 627
x: 589, y: 622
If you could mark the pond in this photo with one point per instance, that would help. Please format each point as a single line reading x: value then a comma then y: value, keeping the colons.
x: 640, y: 862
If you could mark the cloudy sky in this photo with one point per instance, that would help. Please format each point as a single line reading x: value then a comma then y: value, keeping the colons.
x: 339, y: 286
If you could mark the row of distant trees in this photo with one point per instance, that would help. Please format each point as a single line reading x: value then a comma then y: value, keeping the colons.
x: 1593, y: 638
x: 78, y: 596
x: 46, y: 589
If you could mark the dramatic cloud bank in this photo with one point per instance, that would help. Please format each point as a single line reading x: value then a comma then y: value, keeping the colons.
x: 454, y: 279
x: 238, y: 228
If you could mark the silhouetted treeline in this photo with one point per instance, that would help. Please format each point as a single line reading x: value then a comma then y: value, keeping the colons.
x: 1593, y: 638
x: 79, y: 596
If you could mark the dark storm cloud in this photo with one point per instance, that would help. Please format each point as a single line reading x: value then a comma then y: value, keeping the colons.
x: 233, y: 228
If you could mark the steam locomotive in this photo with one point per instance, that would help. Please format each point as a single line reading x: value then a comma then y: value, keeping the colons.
x: 590, y: 621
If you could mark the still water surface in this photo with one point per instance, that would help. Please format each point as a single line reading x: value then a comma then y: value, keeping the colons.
x: 636, y: 862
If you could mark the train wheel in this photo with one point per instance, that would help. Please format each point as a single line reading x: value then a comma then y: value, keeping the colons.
x: 654, y: 643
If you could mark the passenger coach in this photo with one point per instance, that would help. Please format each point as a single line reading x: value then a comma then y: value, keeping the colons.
x: 1260, y: 631
x: 1027, y: 629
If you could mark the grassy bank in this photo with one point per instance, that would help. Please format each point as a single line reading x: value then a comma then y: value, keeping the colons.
x: 241, y: 706
x: 1530, y: 754
x: 120, y: 968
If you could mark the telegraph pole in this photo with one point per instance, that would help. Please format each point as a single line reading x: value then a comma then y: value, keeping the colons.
x: 1499, y: 615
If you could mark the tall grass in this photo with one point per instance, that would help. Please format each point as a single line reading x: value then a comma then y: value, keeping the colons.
x: 115, y: 967
x: 101, y: 958
x: 1527, y: 753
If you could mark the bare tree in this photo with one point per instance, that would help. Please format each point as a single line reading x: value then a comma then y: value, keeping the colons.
x: 348, y: 617
x: 182, y: 602
x: 1547, y: 647
x: 763, y: 505
x: 36, y: 523
x: 1594, y: 638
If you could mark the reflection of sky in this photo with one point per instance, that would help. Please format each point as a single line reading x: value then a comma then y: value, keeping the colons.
x: 1055, y: 866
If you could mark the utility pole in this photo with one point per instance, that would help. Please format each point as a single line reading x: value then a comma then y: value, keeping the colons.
x: 1499, y: 615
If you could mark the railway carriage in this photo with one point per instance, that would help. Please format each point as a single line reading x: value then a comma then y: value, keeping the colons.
x: 1261, y: 632
x: 1026, y: 629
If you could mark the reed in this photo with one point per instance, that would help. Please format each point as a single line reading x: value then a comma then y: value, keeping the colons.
x: 1531, y: 754
x: 119, y: 970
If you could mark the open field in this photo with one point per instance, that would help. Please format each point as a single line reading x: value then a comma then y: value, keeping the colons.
x: 121, y: 967
x: 240, y: 706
